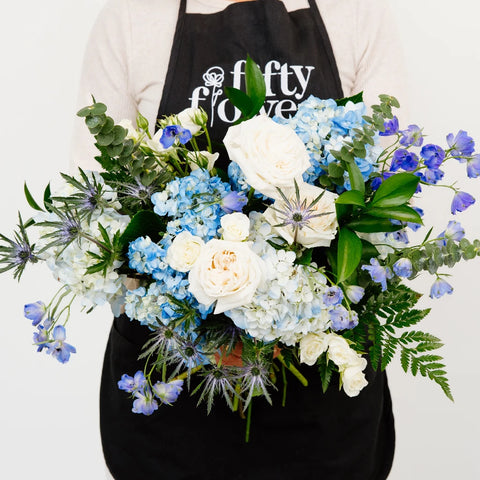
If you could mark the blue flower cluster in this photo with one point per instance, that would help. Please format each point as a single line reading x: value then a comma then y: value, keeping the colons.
x: 323, y: 126
x: 196, y: 203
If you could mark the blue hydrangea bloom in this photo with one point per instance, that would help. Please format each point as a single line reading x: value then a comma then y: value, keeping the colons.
x: 378, y: 273
x: 432, y: 155
x: 461, y: 201
x: 145, y: 256
x: 60, y: 349
x: 439, y: 288
x: 35, y: 312
x: 461, y: 144
x: 454, y: 231
x: 403, y: 267
x: 404, y: 159
x: 342, y: 319
x: 333, y: 296
x: 391, y: 127
x: 473, y: 166
x: 168, y: 392
x: 412, y: 136
x: 355, y: 293
x: 174, y: 132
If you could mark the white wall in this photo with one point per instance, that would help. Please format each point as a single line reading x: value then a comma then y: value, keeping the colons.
x: 48, y: 411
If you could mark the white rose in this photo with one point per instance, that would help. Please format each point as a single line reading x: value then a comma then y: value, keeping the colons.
x: 270, y: 155
x: 184, y: 251
x: 312, y: 346
x: 353, y: 380
x: 318, y: 231
x: 154, y: 142
x: 203, y: 158
x: 226, y: 272
x: 191, y: 118
x: 235, y: 227
x: 340, y: 353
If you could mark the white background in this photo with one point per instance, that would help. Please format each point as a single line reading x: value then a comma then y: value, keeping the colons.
x: 48, y: 411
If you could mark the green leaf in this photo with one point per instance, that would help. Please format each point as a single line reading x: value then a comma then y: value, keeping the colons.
x: 47, y: 200
x: 255, y: 85
x: 239, y: 99
x: 370, y: 224
x: 395, y: 190
x: 351, y: 197
x: 349, y: 253
x: 341, y: 102
x: 305, y: 258
x: 335, y: 170
x: 144, y: 223
x: 95, y: 109
x: 30, y: 199
x: 369, y: 250
x: 325, y: 369
x: 403, y: 213
x: 356, y: 178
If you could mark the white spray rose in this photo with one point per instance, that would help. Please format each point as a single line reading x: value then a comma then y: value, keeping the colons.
x: 270, y: 155
x: 318, y: 231
x: 184, y: 251
x: 191, y: 118
x: 132, y: 132
x: 226, y: 272
x: 235, y: 227
x: 353, y: 380
x: 340, y: 353
x: 312, y: 346
x: 202, y: 159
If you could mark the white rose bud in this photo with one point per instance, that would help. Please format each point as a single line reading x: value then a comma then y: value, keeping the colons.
x: 226, y: 272
x: 270, y: 155
x: 191, y: 118
x: 340, y: 353
x: 312, y: 346
x: 201, y: 159
x: 235, y: 227
x: 184, y: 251
x: 353, y: 380
x: 131, y: 130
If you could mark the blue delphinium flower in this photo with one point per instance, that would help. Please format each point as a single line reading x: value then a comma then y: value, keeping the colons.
x: 35, y: 312
x: 333, y: 296
x: 404, y: 159
x: 411, y: 136
x: 377, y: 181
x: 432, y: 155
x: 41, y: 338
x: 454, y: 231
x: 168, y: 392
x: 378, y: 273
x: 461, y: 201
x: 391, y: 127
x: 403, y: 267
x: 144, y: 402
x: 132, y: 384
x: 440, y: 287
x: 355, y: 293
x: 473, y: 166
x: 462, y: 145
x: 342, y: 319
x: 233, y: 202
x: 174, y: 132
x: 59, y: 349
x: 431, y: 175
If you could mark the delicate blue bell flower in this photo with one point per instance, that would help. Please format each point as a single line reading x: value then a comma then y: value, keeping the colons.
x: 168, y: 392
x: 391, y: 127
x: 432, y: 175
x: 440, y: 287
x: 41, y: 338
x: 416, y: 226
x: 473, y: 166
x: 174, y: 132
x: 132, y: 384
x: 462, y: 145
x: 411, y: 136
x: 404, y: 159
x: 332, y: 296
x: 461, y: 201
x: 342, y: 319
x: 59, y: 349
x: 35, y: 312
x: 354, y: 293
x: 403, y: 267
x: 144, y: 402
x: 454, y: 231
x: 378, y: 273
x: 233, y: 202
x: 432, y: 155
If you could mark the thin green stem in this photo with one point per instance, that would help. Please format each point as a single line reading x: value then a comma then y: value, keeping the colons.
x: 249, y: 422
x: 293, y: 370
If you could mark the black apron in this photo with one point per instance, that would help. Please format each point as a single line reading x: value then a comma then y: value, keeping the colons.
x: 327, y: 436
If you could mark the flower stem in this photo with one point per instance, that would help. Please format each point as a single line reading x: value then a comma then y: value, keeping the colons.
x: 293, y: 370
x: 184, y: 375
x: 249, y: 421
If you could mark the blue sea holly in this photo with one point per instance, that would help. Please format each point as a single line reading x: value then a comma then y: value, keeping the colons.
x: 461, y: 201
x: 168, y: 392
x: 35, y: 312
x: 403, y: 267
x: 412, y: 136
x: 174, y: 132
x: 462, y: 145
x: 378, y: 273
x: 404, y: 159
x: 473, y: 166
x: 391, y: 127
x: 60, y: 349
x: 440, y: 287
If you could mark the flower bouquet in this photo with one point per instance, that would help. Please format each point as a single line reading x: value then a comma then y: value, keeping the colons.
x: 298, y: 253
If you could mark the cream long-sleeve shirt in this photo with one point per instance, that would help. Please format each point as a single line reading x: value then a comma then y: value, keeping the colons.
x: 128, y: 52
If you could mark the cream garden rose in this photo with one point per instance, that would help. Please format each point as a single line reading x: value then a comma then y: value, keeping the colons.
x: 184, y: 251
x: 319, y: 231
x: 226, y: 272
x: 235, y: 227
x: 312, y: 346
x: 270, y: 155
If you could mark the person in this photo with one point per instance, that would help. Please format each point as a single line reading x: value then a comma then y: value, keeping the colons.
x: 157, y: 58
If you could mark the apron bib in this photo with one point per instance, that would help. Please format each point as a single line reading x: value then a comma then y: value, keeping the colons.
x: 328, y: 436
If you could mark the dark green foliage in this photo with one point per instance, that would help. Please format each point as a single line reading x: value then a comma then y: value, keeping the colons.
x: 326, y: 370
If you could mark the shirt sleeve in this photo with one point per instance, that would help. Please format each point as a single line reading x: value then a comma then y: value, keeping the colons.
x: 105, y: 76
